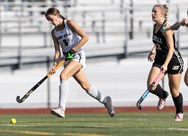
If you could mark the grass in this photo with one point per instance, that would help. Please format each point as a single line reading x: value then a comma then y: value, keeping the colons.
x: 123, y: 124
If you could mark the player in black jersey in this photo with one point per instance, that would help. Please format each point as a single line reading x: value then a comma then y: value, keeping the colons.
x: 184, y: 22
x: 167, y: 58
x: 186, y: 77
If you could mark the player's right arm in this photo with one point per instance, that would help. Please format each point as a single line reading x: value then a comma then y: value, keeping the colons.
x: 57, y: 53
x: 152, y: 54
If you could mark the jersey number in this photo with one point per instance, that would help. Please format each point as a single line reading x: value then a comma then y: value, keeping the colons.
x: 158, y: 47
x: 65, y: 42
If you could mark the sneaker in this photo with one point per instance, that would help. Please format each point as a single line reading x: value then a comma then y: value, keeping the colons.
x: 59, y: 112
x: 109, y: 106
x: 161, y: 102
x: 179, y: 117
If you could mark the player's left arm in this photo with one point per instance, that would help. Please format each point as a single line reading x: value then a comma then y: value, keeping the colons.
x: 76, y: 28
x: 170, y: 43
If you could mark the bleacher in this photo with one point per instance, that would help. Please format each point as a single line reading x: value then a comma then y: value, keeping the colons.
x: 25, y: 43
x: 115, y: 27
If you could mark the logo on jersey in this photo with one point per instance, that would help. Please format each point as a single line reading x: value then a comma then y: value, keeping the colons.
x: 157, y: 39
x: 67, y: 34
x: 59, y: 37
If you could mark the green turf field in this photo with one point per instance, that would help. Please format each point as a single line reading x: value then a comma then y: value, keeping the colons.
x: 123, y: 124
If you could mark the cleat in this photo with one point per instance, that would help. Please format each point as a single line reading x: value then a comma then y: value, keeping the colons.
x: 109, y: 106
x: 178, y: 117
x: 59, y: 112
x: 161, y: 102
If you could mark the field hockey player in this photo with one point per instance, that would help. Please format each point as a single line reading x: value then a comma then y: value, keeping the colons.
x: 166, y: 57
x: 68, y: 40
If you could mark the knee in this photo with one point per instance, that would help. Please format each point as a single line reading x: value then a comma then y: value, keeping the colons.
x: 154, y: 86
x: 63, y: 77
x: 174, y: 93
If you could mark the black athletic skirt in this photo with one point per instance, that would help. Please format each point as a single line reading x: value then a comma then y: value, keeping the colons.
x: 175, y: 66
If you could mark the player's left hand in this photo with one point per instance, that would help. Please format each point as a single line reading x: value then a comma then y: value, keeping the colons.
x: 164, y: 68
x: 70, y: 54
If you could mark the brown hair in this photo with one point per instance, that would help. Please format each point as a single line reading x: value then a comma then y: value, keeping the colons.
x: 53, y: 11
x: 164, y: 9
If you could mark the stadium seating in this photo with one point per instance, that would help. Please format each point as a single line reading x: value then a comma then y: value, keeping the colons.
x: 124, y: 27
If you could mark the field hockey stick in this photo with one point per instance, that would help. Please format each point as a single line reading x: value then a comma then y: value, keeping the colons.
x: 20, y: 100
x: 138, y: 104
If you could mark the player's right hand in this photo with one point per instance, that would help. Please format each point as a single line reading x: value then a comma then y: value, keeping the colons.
x: 151, y: 56
x: 53, y: 70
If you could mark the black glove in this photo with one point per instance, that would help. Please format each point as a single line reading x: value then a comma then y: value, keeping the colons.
x: 70, y: 54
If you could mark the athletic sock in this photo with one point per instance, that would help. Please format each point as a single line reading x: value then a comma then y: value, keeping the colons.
x: 93, y: 92
x: 178, y: 101
x: 159, y: 92
x: 63, y: 93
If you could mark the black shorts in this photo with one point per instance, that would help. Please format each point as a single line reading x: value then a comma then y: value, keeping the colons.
x: 175, y: 66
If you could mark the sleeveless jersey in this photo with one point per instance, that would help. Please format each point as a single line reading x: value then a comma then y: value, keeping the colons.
x: 160, y: 41
x: 176, y: 63
x: 66, y: 37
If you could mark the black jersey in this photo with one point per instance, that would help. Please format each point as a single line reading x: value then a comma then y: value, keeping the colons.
x: 160, y: 41
x: 176, y: 64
